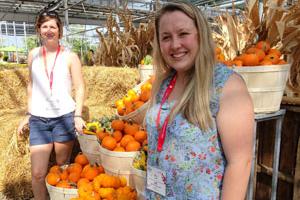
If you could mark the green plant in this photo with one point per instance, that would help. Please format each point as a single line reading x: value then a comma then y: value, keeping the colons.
x: 32, y: 42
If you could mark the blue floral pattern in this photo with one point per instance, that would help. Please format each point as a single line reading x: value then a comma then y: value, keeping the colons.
x: 193, y: 160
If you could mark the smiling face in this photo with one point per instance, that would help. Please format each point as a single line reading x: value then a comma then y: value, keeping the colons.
x: 178, y: 40
x: 49, y: 31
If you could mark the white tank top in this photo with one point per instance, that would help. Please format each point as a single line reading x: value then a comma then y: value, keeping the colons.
x: 45, y: 103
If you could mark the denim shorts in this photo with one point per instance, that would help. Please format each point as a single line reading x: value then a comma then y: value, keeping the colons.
x: 48, y: 130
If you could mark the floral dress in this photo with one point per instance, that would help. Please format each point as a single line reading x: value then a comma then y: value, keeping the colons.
x: 193, y: 160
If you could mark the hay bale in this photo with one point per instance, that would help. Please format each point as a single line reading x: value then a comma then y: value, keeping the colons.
x: 13, y: 84
x: 104, y: 85
x: 15, y: 179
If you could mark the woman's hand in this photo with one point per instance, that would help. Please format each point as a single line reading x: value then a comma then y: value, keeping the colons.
x: 79, y: 124
x: 22, y: 124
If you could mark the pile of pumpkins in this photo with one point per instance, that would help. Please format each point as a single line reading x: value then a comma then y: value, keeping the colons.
x: 91, y: 181
x: 259, y: 54
x: 135, y: 98
x: 126, y: 136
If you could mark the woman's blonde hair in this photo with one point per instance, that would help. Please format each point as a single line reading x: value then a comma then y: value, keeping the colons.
x: 195, y: 101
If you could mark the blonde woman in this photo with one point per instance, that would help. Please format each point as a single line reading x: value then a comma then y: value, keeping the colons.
x: 201, y: 118
x: 52, y: 115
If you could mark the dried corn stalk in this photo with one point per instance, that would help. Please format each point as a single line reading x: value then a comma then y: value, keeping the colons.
x: 126, y: 45
x: 233, y: 33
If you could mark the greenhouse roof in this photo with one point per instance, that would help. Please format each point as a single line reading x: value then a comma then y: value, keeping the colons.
x: 90, y: 12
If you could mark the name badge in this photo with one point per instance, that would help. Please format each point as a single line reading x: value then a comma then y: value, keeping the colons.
x: 156, y: 180
x: 52, y: 103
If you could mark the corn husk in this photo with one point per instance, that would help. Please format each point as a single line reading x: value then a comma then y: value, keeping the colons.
x: 126, y: 46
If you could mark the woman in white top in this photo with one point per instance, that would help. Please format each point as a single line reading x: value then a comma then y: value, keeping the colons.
x: 52, y: 115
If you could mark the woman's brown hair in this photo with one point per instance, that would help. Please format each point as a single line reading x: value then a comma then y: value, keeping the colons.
x: 46, y: 16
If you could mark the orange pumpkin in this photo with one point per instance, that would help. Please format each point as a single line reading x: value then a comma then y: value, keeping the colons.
x: 126, y: 139
x: 101, y: 134
x: 238, y: 63
x: 55, y: 169
x: 146, y: 87
x: 273, y: 58
x: 100, y: 169
x: 74, y: 167
x: 136, y: 105
x: 140, y: 136
x: 85, y: 189
x: 89, y: 172
x: 109, y: 142
x: 220, y: 57
x: 119, y: 149
x: 74, y: 177
x: 117, y: 135
x: 275, y: 51
x: 266, y: 62
x: 263, y: 45
x: 145, y: 95
x: 117, y: 125
x: 53, y: 178
x: 259, y: 52
x: 121, y: 110
x: 218, y: 50
x: 63, y: 184
x: 64, y: 174
x: 250, y: 60
x: 131, y: 128
x: 81, y: 159
x: 82, y: 181
x: 133, y: 146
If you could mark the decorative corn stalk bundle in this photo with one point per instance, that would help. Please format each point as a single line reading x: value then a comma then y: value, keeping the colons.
x: 279, y: 24
x: 126, y: 45
x: 233, y: 33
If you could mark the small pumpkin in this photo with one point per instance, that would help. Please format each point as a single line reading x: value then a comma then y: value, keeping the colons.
x: 81, y: 159
x: 89, y: 172
x: 109, y: 142
x: 53, y: 178
x: 117, y: 125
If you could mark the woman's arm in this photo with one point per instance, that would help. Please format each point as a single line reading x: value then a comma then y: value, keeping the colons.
x: 29, y: 94
x: 78, y: 84
x: 235, y: 122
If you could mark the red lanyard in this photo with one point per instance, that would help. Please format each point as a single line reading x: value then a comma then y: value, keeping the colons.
x: 163, y: 130
x: 45, y: 64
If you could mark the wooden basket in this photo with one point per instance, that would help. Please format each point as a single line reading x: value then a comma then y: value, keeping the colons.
x: 118, y: 163
x: 57, y: 193
x: 138, y: 115
x: 139, y: 181
x: 266, y: 85
x: 90, y: 147
x: 145, y: 72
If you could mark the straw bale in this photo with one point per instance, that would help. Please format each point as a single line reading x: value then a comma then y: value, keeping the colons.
x: 15, y: 180
x: 13, y: 88
x: 104, y: 85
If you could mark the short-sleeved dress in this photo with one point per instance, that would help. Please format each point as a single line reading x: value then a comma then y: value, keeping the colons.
x: 193, y: 160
